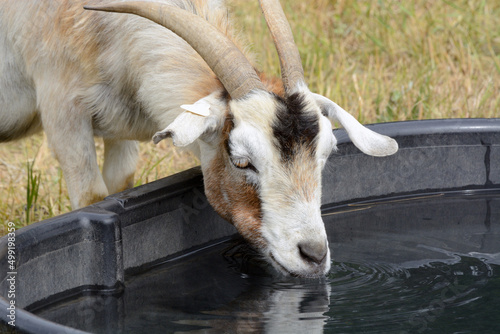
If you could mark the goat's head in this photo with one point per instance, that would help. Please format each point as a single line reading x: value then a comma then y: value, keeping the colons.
x: 261, y: 154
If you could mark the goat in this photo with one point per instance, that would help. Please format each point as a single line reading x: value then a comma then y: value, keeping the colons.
x: 262, y: 143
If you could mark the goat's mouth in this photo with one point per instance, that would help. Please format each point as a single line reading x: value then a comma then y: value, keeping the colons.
x: 315, y: 272
x: 280, y: 267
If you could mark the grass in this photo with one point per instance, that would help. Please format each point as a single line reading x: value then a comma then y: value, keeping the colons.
x: 381, y: 60
x: 32, y: 189
x: 31, y: 177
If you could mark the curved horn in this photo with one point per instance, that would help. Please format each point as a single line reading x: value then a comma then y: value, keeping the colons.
x: 291, y: 66
x: 219, y: 52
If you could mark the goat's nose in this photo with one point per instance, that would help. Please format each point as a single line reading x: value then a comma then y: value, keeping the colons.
x: 313, y: 251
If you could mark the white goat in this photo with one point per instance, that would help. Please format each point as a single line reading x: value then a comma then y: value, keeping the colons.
x: 262, y: 143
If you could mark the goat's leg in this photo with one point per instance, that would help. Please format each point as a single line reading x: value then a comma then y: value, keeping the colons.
x: 120, y: 163
x: 71, y: 138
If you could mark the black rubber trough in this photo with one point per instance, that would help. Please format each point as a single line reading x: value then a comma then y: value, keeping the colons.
x: 95, y: 249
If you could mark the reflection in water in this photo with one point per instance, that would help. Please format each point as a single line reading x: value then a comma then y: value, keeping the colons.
x: 224, y: 289
x: 426, y: 265
x: 276, y: 308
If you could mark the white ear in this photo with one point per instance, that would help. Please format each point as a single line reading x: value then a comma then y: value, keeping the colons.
x: 190, y: 125
x: 366, y: 140
x: 200, y: 107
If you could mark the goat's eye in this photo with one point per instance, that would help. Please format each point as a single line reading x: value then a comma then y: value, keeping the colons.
x: 243, y: 163
x: 240, y: 162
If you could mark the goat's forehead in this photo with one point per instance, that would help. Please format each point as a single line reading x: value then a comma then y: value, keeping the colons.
x: 257, y: 109
x: 296, y: 127
x: 286, y: 123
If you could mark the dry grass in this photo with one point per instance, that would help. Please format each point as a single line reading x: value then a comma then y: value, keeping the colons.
x: 155, y: 162
x: 382, y: 60
x: 396, y: 60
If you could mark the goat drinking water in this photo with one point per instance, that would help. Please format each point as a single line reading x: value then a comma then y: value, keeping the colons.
x: 262, y: 144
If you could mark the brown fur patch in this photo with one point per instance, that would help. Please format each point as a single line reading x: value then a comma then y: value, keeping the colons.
x: 231, y: 196
x: 273, y: 84
x: 65, y: 32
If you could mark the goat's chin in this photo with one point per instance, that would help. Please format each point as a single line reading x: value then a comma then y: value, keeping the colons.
x: 299, y: 268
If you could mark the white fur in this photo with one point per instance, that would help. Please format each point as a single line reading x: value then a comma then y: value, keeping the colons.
x: 366, y: 140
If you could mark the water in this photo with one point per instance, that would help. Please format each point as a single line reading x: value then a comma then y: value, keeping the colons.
x: 429, y: 264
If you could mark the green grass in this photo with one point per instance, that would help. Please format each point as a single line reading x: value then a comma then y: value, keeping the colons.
x: 32, y: 188
x: 380, y: 60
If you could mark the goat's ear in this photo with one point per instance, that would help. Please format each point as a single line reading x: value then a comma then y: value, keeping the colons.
x: 366, y: 140
x: 194, y: 122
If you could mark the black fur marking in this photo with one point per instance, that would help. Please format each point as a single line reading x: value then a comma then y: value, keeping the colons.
x: 295, y: 126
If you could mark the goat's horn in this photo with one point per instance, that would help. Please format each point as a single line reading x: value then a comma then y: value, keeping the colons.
x: 229, y: 64
x: 291, y: 66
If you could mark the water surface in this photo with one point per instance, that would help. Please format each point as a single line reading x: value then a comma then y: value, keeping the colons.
x: 427, y: 264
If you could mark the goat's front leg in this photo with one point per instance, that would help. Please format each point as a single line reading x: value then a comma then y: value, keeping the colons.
x: 71, y: 138
x: 120, y: 163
